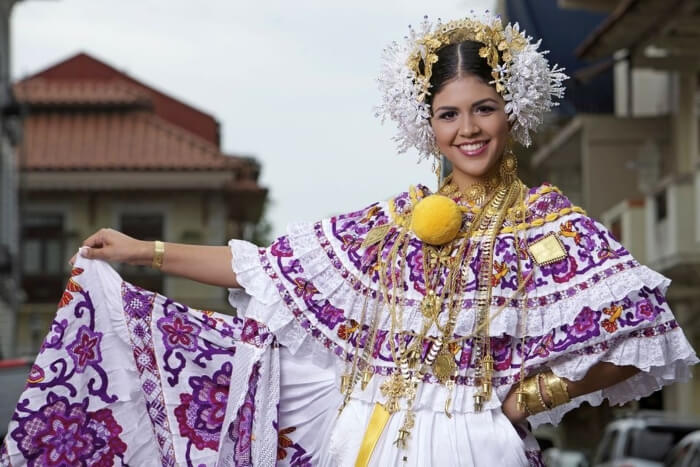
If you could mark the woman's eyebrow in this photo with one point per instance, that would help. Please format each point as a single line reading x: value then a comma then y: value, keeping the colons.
x: 445, y: 107
x: 483, y: 101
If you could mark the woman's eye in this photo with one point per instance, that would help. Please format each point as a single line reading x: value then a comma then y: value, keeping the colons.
x: 447, y: 115
x: 484, y: 109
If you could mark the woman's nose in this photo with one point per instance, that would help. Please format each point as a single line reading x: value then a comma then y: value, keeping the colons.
x: 469, y: 128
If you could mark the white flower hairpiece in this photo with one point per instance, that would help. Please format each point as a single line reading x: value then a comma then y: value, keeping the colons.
x: 520, y: 72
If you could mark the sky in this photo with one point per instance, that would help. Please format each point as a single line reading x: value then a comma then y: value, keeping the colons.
x: 292, y: 84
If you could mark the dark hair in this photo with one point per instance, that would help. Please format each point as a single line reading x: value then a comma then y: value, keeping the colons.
x: 456, y: 60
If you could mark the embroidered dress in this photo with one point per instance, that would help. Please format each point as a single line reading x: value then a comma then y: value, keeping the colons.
x: 127, y: 376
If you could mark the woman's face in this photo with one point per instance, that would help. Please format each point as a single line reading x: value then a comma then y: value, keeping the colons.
x: 471, y: 127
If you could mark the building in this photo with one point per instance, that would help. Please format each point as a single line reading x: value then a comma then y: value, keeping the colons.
x: 9, y: 233
x: 637, y: 167
x: 102, y: 149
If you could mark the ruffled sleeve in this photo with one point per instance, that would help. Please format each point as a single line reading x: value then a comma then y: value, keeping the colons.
x: 596, y: 304
x: 302, y: 289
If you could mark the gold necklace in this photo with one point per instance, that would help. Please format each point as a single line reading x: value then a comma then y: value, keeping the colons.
x: 476, y: 194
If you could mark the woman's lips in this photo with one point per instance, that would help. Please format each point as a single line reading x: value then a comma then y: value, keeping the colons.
x: 473, y: 149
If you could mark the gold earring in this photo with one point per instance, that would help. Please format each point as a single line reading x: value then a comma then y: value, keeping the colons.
x: 508, y: 169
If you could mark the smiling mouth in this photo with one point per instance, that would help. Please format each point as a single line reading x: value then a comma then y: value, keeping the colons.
x: 473, y: 149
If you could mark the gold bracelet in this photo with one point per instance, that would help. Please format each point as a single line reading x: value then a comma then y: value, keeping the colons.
x: 533, y: 397
x: 540, y: 398
x: 543, y: 377
x: 158, y: 254
x: 557, y: 388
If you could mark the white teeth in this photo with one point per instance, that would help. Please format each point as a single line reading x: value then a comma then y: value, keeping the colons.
x: 473, y: 147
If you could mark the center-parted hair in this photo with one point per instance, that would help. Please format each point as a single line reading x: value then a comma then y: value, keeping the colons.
x: 455, y: 61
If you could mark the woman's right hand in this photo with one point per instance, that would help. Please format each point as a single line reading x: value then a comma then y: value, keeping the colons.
x: 112, y: 245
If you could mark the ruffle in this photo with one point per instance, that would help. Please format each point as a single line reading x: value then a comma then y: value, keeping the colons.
x: 338, y: 288
x: 259, y: 299
x: 541, y: 320
x: 663, y: 359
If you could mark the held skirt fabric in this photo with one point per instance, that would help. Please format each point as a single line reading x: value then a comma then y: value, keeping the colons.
x: 129, y: 377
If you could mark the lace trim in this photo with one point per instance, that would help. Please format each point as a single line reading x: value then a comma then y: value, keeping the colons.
x: 662, y: 359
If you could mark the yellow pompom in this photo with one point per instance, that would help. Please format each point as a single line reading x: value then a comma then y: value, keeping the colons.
x: 436, y: 219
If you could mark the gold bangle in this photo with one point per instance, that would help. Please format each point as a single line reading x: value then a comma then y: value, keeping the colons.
x: 558, y: 389
x: 540, y: 398
x: 158, y: 254
x: 533, y: 397
x: 543, y: 377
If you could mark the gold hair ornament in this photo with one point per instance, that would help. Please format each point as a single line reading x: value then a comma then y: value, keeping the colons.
x: 521, y: 74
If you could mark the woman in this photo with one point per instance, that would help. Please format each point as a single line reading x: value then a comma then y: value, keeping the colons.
x: 425, y: 330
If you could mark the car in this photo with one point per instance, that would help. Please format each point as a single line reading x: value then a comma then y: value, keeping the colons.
x: 555, y: 457
x: 642, y: 439
x: 686, y: 453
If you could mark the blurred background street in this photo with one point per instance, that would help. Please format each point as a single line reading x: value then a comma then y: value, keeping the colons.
x: 197, y: 122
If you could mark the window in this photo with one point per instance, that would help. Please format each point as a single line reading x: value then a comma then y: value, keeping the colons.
x: 149, y: 227
x: 43, y: 256
x: 616, y: 229
x: 660, y: 201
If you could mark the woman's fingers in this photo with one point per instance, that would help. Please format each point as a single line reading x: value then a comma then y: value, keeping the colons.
x: 98, y: 239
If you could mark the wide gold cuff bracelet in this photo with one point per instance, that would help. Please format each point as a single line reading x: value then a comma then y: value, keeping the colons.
x: 158, y: 254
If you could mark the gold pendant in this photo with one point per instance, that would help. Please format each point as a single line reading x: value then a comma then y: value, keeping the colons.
x: 429, y: 306
x: 444, y: 366
x: 520, y: 400
x: 366, y: 377
x: 376, y: 235
x: 345, y: 383
x: 478, y: 402
x: 393, y: 389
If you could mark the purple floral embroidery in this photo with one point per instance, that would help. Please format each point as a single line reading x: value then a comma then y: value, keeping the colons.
x: 563, y: 271
x: 281, y: 247
x: 178, y: 332
x: 137, y: 303
x: 585, y: 325
x: 644, y: 310
x: 200, y: 414
x: 62, y: 434
x: 304, y: 289
x: 330, y: 315
x: 241, y: 430
x: 501, y: 348
x: 85, y: 349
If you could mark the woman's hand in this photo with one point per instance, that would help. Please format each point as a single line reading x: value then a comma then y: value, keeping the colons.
x: 510, y: 407
x: 111, y: 245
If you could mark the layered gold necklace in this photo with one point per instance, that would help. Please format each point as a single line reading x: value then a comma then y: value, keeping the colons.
x: 446, y: 270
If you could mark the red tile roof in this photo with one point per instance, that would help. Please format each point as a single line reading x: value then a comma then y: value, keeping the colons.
x: 131, y: 140
x: 84, y: 67
x: 42, y: 92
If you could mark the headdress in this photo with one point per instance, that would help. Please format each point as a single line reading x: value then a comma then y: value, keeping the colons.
x: 520, y: 72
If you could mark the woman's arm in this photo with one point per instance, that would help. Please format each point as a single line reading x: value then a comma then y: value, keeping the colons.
x: 206, y: 264
x: 600, y: 376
